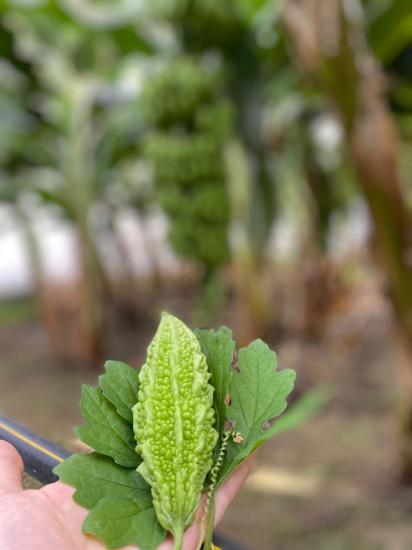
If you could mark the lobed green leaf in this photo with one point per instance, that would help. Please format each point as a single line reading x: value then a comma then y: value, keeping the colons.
x: 122, y: 521
x: 218, y: 347
x: 106, y: 431
x: 97, y: 477
x: 258, y: 394
x: 120, y: 385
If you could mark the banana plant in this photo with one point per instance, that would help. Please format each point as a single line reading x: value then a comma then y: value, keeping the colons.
x: 373, y: 144
x: 79, y: 97
x: 16, y: 128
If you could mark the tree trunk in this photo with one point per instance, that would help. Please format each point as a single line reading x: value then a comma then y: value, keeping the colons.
x: 33, y: 252
x: 253, y: 308
x: 91, y: 289
x: 373, y: 146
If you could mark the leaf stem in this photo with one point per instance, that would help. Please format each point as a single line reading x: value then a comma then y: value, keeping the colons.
x: 209, y: 511
x: 210, y: 523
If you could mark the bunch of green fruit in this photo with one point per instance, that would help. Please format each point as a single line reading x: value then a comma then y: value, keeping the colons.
x: 190, y: 124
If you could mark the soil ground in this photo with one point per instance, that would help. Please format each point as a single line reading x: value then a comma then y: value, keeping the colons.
x: 330, y: 484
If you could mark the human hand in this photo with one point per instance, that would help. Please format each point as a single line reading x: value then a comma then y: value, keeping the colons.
x: 49, y: 517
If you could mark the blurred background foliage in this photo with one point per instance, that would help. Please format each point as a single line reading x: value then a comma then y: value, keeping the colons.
x: 245, y: 162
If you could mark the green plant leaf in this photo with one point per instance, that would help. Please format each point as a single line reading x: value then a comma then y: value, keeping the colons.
x: 218, y: 348
x: 106, y: 431
x: 258, y: 394
x: 391, y: 30
x: 122, y: 521
x: 96, y: 477
x: 120, y: 385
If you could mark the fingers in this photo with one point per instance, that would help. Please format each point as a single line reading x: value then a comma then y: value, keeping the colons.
x: 11, y: 469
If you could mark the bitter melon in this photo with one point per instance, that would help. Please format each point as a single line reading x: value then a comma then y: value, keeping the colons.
x: 173, y: 423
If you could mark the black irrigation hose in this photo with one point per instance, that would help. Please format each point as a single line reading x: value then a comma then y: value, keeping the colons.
x: 40, y: 456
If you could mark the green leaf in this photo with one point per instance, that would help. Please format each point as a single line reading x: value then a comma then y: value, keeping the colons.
x: 106, y: 431
x: 120, y: 385
x: 119, y: 522
x: 218, y: 348
x: 96, y: 477
x: 258, y: 394
x: 390, y: 31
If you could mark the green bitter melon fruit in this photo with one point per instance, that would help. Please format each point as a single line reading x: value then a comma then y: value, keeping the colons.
x: 173, y: 423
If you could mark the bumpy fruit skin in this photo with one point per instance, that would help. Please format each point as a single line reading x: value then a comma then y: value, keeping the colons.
x: 173, y: 423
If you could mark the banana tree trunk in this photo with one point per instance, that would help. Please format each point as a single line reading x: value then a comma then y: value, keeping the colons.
x: 32, y: 250
x: 374, y: 153
x: 91, y: 288
x: 79, y: 167
x: 340, y: 63
x: 254, y: 311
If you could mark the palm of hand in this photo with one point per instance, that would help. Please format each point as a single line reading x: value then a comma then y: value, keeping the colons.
x: 49, y: 518
x: 45, y: 518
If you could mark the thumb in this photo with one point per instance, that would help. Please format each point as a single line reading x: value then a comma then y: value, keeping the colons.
x: 11, y: 469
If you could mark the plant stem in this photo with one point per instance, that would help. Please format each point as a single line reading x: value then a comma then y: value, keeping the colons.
x: 207, y: 545
x: 178, y: 538
x: 208, y: 520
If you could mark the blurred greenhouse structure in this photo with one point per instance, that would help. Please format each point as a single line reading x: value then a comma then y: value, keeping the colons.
x: 238, y: 162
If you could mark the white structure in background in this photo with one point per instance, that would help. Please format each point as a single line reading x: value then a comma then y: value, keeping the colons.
x: 58, y: 245
x: 58, y: 248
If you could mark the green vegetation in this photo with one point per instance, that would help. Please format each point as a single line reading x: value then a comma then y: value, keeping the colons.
x: 186, y: 150
x: 181, y: 394
x: 251, y: 131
